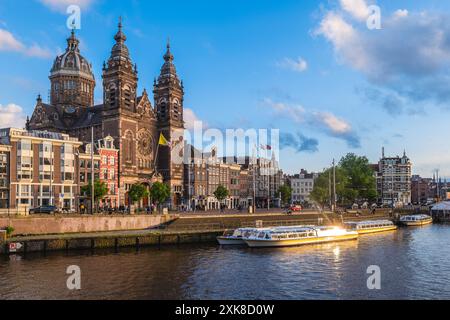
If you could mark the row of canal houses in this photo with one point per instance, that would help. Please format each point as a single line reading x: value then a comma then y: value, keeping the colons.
x: 40, y: 168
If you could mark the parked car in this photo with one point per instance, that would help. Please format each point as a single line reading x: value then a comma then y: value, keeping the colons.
x: 45, y: 209
x: 294, y: 208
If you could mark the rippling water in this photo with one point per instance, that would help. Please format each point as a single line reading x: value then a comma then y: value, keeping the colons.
x: 414, y: 263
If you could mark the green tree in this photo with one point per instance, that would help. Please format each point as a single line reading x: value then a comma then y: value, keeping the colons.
x: 221, y: 193
x: 286, y: 193
x: 100, y: 190
x: 361, y: 184
x: 355, y: 182
x: 137, y: 192
x: 159, y: 192
x: 324, y: 183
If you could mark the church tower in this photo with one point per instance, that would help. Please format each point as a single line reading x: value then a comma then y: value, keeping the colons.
x: 71, y: 78
x: 168, y: 98
x: 119, y: 77
x: 128, y: 118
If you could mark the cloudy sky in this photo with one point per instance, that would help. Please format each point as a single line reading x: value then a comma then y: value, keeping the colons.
x: 309, y: 68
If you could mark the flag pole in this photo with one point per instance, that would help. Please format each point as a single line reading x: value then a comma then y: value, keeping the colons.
x: 156, y: 157
x: 254, y: 182
x: 92, y: 170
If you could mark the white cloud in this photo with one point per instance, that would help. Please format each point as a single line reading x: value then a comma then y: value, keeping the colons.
x: 333, y: 123
x: 325, y: 122
x: 190, y: 118
x: 400, y: 13
x: 10, y: 43
x: 37, y: 51
x: 409, y: 57
x: 61, y: 5
x: 298, y: 65
x: 345, y: 39
x: 294, y: 112
x: 11, y: 115
x: 357, y: 8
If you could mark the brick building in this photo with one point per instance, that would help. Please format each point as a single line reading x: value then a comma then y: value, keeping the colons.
x: 393, y: 176
x: 4, y: 175
x: 42, y: 168
x: 129, y: 118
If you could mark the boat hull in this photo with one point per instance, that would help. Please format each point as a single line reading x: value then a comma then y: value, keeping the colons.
x: 375, y: 230
x: 227, y: 241
x: 417, y: 223
x: 298, y: 242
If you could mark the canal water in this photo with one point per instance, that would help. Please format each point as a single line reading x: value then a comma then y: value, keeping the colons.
x: 414, y: 264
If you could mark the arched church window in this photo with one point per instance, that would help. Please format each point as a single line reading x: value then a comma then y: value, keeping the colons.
x: 112, y: 96
x: 127, y: 96
x: 129, y: 146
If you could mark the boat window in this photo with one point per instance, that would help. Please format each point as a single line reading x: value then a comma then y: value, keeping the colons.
x: 261, y: 235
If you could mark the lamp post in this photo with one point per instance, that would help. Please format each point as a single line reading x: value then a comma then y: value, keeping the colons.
x: 92, y: 170
x: 334, y: 186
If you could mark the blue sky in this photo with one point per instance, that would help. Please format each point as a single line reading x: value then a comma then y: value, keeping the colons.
x: 310, y: 68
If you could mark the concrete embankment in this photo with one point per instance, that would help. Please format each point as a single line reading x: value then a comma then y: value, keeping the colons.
x: 59, y: 224
x: 185, y: 229
x: 97, y: 240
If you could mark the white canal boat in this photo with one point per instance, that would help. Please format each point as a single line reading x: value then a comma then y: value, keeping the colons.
x: 416, y: 220
x: 237, y: 237
x: 371, y: 226
x: 298, y: 235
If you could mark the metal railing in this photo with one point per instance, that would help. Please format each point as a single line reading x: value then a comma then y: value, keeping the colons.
x: 220, y: 226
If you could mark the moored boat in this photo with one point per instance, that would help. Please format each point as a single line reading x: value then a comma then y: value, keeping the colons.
x: 298, y: 235
x: 236, y: 237
x: 416, y: 220
x: 371, y: 226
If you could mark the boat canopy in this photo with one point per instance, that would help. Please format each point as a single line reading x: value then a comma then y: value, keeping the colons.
x: 441, y: 206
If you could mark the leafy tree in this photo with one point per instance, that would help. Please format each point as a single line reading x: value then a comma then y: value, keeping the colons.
x: 159, y: 192
x: 100, y: 190
x: 322, y: 185
x: 355, y: 182
x: 286, y: 193
x: 361, y: 179
x: 137, y: 192
x: 221, y: 193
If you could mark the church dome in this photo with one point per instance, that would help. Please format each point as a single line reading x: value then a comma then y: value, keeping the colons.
x: 71, y: 62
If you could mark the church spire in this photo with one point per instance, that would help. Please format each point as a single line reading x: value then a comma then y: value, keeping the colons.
x: 73, y: 42
x: 120, y: 50
x: 168, y: 70
x: 168, y: 93
x: 168, y: 56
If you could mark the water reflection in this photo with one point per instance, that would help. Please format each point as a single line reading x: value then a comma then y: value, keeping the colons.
x: 413, y: 264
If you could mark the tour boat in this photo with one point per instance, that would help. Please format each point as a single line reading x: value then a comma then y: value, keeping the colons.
x: 236, y: 237
x: 371, y: 226
x: 298, y: 235
x: 416, y: 220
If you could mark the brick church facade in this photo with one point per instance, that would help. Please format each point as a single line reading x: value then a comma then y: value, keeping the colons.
x: 124, y: 115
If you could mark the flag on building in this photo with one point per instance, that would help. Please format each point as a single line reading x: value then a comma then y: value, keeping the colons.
x: 163, y: 141
x: 266, y: 147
